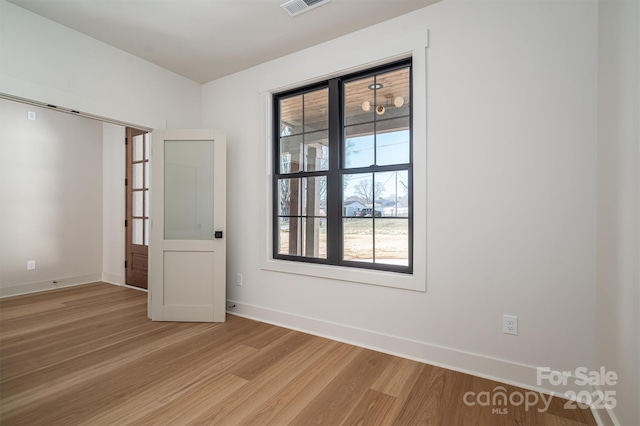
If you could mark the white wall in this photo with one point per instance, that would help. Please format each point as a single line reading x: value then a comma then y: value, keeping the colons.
x: 43, y: 61
x: 47, y: 62
x: 618, y: 338
x: 50, y: 199
x: 113, y: 203
x: 511, y: 134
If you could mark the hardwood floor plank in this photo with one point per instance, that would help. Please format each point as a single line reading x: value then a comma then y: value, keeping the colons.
x: 89, y: 355
x: 236, y: 407
x: 45, y: 350
x: 553, y: 420
x: 253, y: 366
x: 158, y: 402
x: 422, y: 406
x: 452, y: 398
x: 266, y: 334
x: 44, y: 297
x: 398, y: 378
x: 39, y: 386
x: 46, y: 301
x: 375, y: 408
x: 193, y: 404
x: 283, y: 406
x: 493, y: 414
x: 341, y: 395
x: 134, y: 373
x: 563, y: 408
x: 38, y: 322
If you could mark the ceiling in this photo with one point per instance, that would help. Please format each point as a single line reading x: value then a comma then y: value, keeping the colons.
x: 207, y: 39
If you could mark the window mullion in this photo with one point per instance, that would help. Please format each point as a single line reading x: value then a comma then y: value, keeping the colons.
x: 334, y: 180
x: 375, y: 136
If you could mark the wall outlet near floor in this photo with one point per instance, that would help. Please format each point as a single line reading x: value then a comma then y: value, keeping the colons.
x: 31, y: 265
x: 239, y: 280
x: 510, y: 324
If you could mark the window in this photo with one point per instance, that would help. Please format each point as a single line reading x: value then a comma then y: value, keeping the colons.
x: 342, y: 186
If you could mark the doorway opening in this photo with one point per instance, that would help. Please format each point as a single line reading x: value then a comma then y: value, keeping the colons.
x: 137, y: 207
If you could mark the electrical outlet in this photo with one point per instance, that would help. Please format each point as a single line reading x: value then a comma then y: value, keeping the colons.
x: 31, y: 265
x: 510, y: 324
x: 239, y: 280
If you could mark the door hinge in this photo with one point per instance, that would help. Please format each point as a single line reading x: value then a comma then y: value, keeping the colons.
x: 125, y: 264
x: 125, y: 223
x: 126, y: 181
x: 126, y: 141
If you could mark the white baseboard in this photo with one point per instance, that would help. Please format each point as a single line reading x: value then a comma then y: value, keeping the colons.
x: 35, y: 287
x: 112, y: 279
x: 504, y: 371
x: 119, y: 281
x: 144, y: 290
x: 604, y: 416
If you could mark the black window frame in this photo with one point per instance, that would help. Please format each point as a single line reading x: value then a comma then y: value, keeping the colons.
x: 334, y: 212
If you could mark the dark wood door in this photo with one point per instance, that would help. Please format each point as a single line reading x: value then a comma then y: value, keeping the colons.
x: 137, y: 222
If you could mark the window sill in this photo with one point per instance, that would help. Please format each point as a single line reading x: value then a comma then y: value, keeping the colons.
x: 357, y: 275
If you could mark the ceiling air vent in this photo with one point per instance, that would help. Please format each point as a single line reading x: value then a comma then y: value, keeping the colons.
x: 296, y: 7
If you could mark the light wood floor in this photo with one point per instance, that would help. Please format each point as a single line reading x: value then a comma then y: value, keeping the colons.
x: 89, y: 355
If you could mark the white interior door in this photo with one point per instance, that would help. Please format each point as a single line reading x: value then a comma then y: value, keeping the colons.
x: 187, y: 277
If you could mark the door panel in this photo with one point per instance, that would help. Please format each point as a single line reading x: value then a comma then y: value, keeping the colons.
x: 137, y: 182
x: 188, y: 196
x: 182, y: 272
